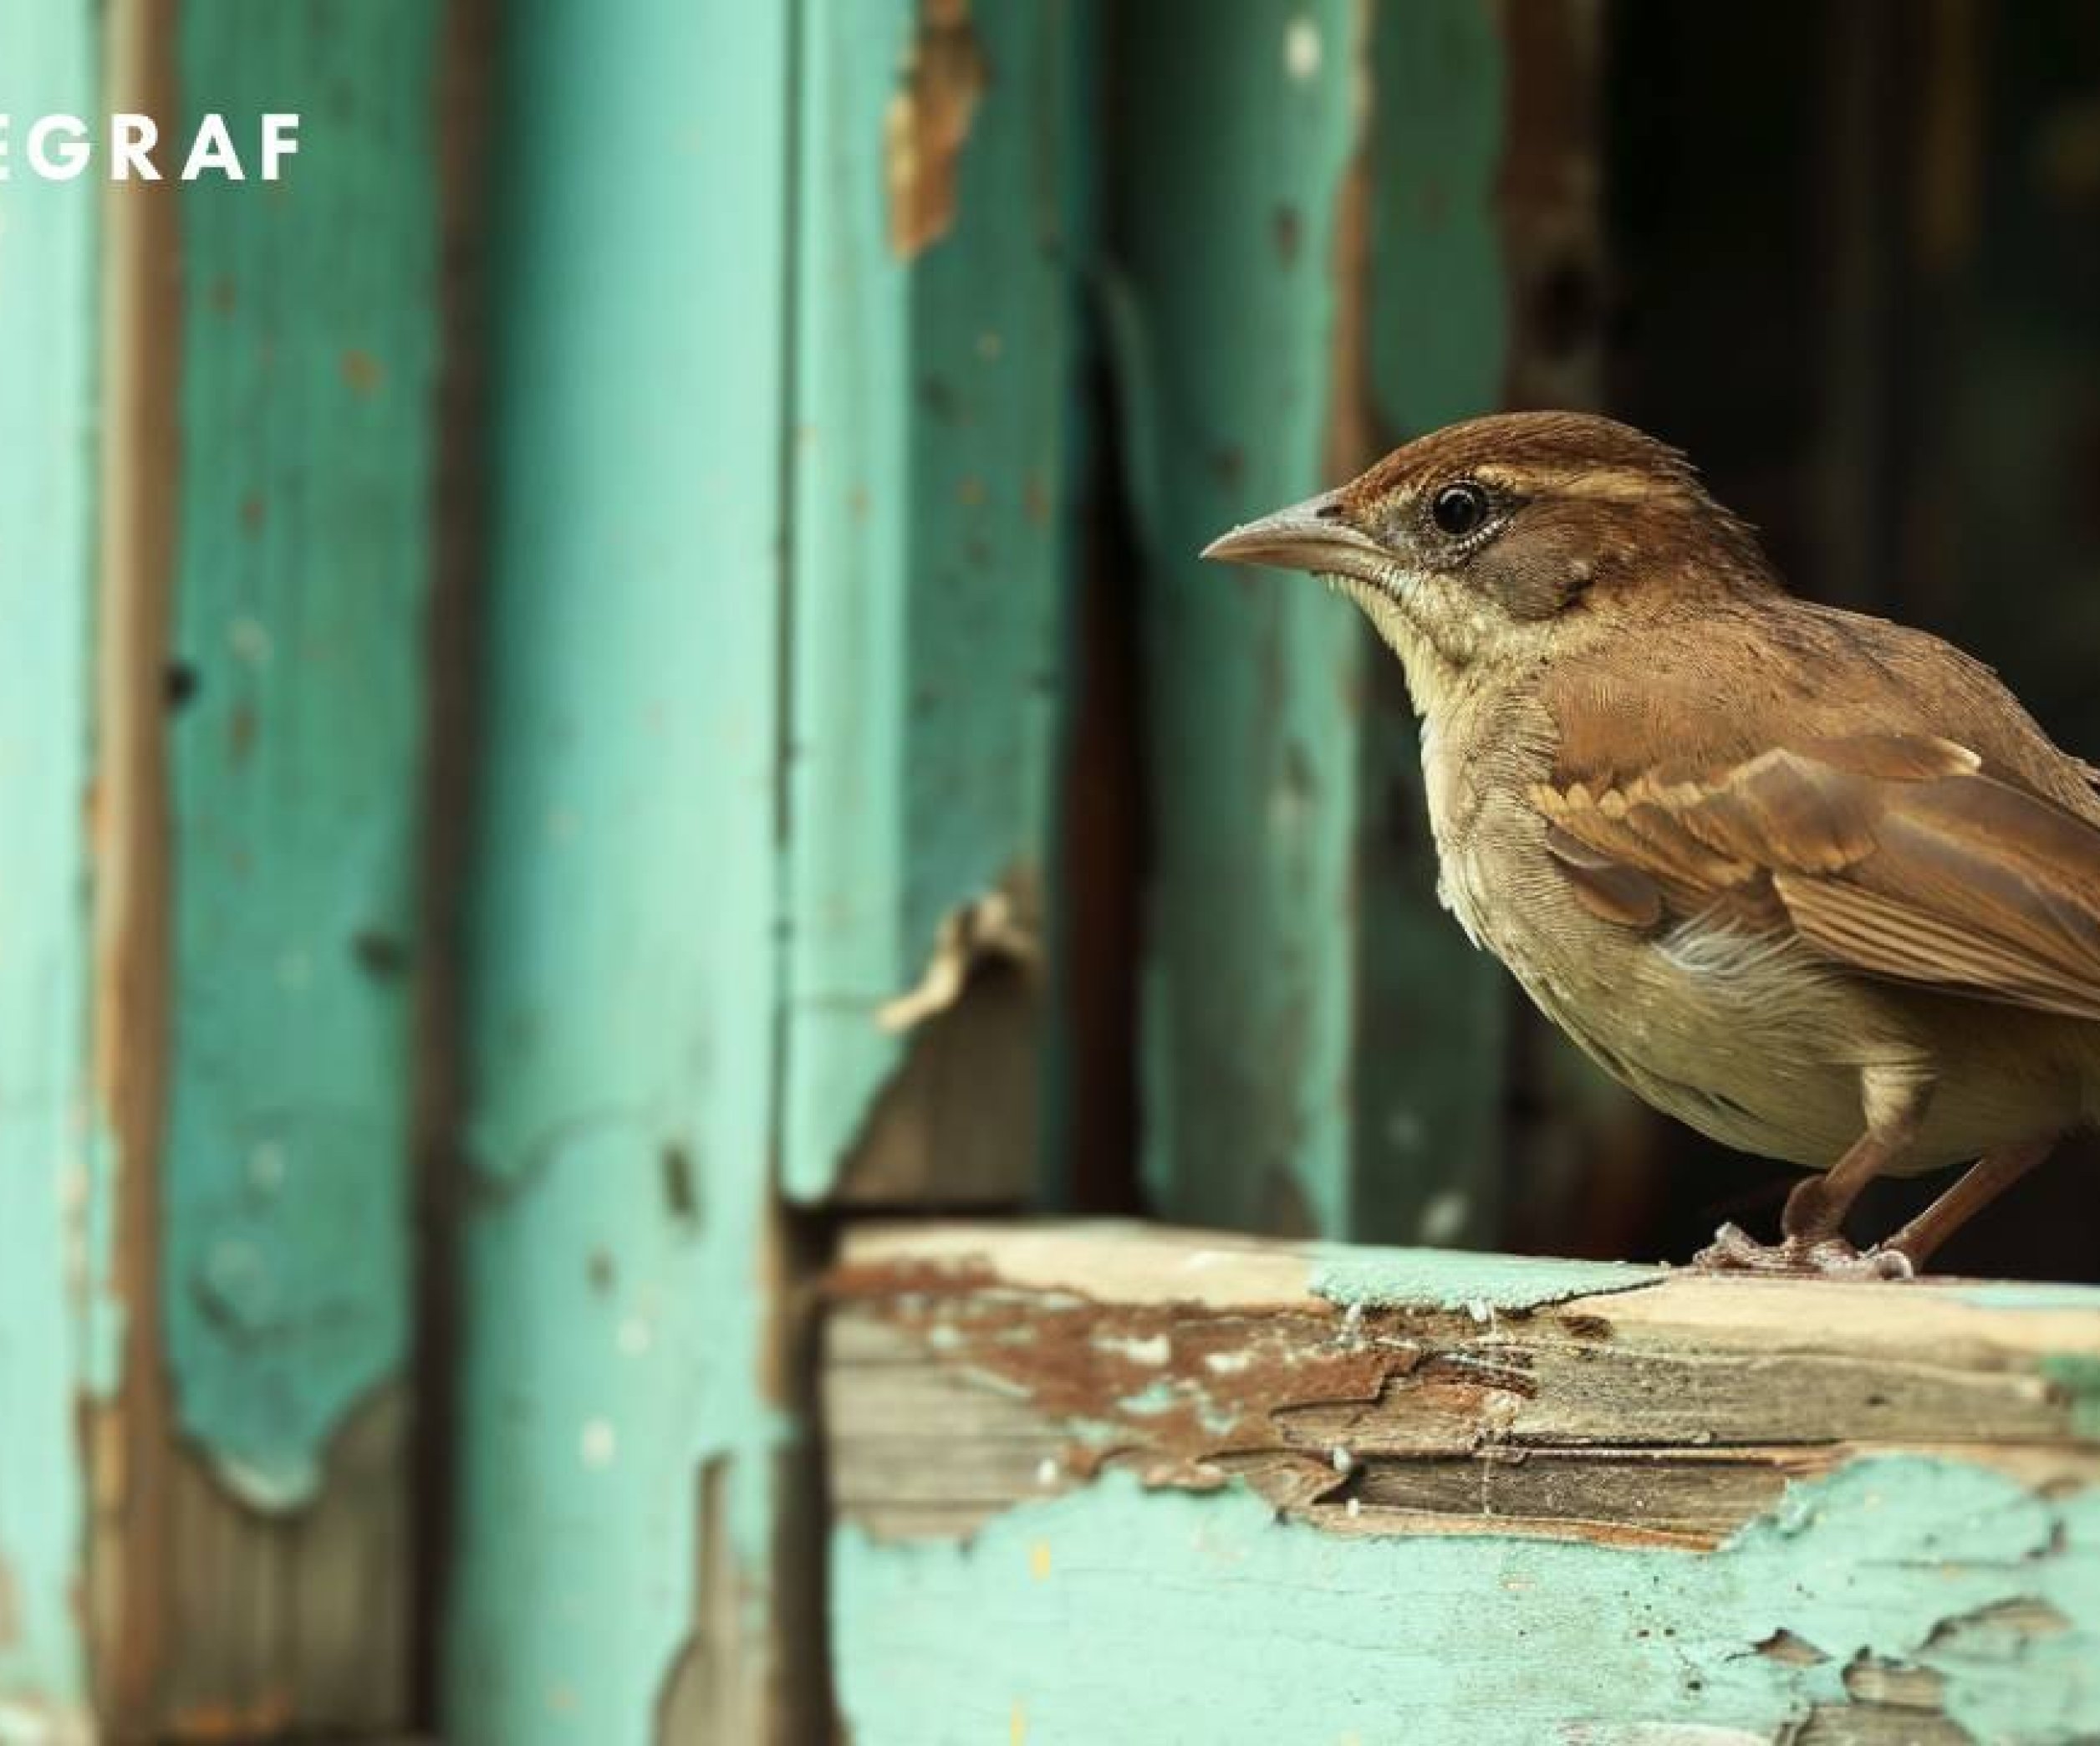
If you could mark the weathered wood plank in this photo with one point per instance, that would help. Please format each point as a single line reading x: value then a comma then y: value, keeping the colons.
x: 272, y: 368
x: 611, y: 1562
x: 48, y: 239
x: 1535, y: 1501
x: 1305, y: 255
x: 940, y: 165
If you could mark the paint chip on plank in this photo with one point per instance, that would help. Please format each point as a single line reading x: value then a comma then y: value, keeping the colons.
x: 1450, y: 1280
x: 600, y: 1442
x: 1302, y: 51
x: 1000, y: 926
x: 928, y: 123
x: 251, y: 641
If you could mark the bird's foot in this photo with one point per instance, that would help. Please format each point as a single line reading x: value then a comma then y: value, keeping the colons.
x: 1735, y: 1250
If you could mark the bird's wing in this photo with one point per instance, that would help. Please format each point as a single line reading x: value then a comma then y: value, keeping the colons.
x: 1895, y: 854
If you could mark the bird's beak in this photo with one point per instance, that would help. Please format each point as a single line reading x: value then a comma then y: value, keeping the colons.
x: 1313, y: 536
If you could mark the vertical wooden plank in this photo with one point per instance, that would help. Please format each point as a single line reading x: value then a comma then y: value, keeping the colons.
x: 1320, y: 1058
x: 934, y: 347
x: 610, y: 1572
x: 1235, y: 134
x: 272, y: 371
x: 1433, y: 1013
x: 129, y: 1544
x: 48, y: 305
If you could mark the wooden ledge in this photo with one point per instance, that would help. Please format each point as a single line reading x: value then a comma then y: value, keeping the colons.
x: 971, y: 1367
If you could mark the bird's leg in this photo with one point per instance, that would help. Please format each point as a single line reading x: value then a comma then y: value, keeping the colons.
x: 1812, y: 1240
x: 1976, y: 1188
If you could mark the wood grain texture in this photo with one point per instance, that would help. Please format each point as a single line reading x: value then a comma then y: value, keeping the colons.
x: 48, y: 237
x: 611, y: 1575
x: 934, y: 345
x: 130, y: 1421
x: 1772, y: 1510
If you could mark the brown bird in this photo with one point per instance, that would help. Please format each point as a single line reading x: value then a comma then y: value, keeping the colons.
x: 1812, y: 882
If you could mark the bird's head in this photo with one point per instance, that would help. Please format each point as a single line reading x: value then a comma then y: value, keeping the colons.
x: 1491, y: 539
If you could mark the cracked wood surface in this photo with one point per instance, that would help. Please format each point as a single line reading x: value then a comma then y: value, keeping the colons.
x: 1542, y: 1501
x: 970, y: 1368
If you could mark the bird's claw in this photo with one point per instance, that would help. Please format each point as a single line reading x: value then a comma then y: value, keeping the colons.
x: 1735, y: 1250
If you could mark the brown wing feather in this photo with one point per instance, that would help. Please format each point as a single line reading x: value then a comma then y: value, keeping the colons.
x: 1866, y: 787
x: 1898, y: 859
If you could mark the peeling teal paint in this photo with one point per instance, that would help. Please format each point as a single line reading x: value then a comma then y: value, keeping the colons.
x: 625, y: 890
x: 49, y: 310
x: 934, y: 407
x: 1433, y: 1014
x: 2016, y: 1295
x: 1323, y: 1053
x: 2077, y: 1374
x: 1236, y: 137
x: 1450, y: 1279
x: 307, y: 381
x: 1112, y: 1615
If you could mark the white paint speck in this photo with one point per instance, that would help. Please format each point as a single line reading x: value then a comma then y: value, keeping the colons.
x: 1301, y: 49
x: 1443, y: 1218
x: 1048, y: 1473
x: 599, y: 1442
x: 250, y: 640
x: 1355, y: 1507
x: 1481, y: 1310
x: 1341, y: 1460
x: 266, y: 1167
x: 1228, y: 1363
x: 634, y: 1335
x: 1154, y: 1349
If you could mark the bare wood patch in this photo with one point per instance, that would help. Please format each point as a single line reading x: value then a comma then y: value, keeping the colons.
x: 928, y: 123
x: 967, y: 1369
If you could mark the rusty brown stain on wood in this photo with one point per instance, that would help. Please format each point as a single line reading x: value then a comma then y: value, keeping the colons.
x: 928, y: 123
x: 265, y: 1716
x: 957, y: 1384
x: 130, y: 1434
x: 1351, y: 441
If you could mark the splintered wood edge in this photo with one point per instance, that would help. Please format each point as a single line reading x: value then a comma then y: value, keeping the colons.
x: 1127, y: 1263
x: 971, y: 1367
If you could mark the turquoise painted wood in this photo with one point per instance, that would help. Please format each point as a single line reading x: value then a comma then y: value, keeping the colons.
x: 301, y: 576
x: 615, y: 1471
x: 1432, y: 1012
x: 935, y: 342
x: 1237, y: 138
x: 48, y: 311
x: 1319, y: 1057
x: 1494, y: 1639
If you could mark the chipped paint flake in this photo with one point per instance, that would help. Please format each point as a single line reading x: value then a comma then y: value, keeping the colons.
x: 928, y: 124
x: 1302, y: 51
x: 1000, y: 926
x: 1448, y: 1279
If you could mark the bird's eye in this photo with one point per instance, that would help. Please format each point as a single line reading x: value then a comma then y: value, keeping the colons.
x: 1459, y: 509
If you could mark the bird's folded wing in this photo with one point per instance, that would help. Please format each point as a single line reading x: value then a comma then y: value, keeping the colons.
x: 1896, y: 855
